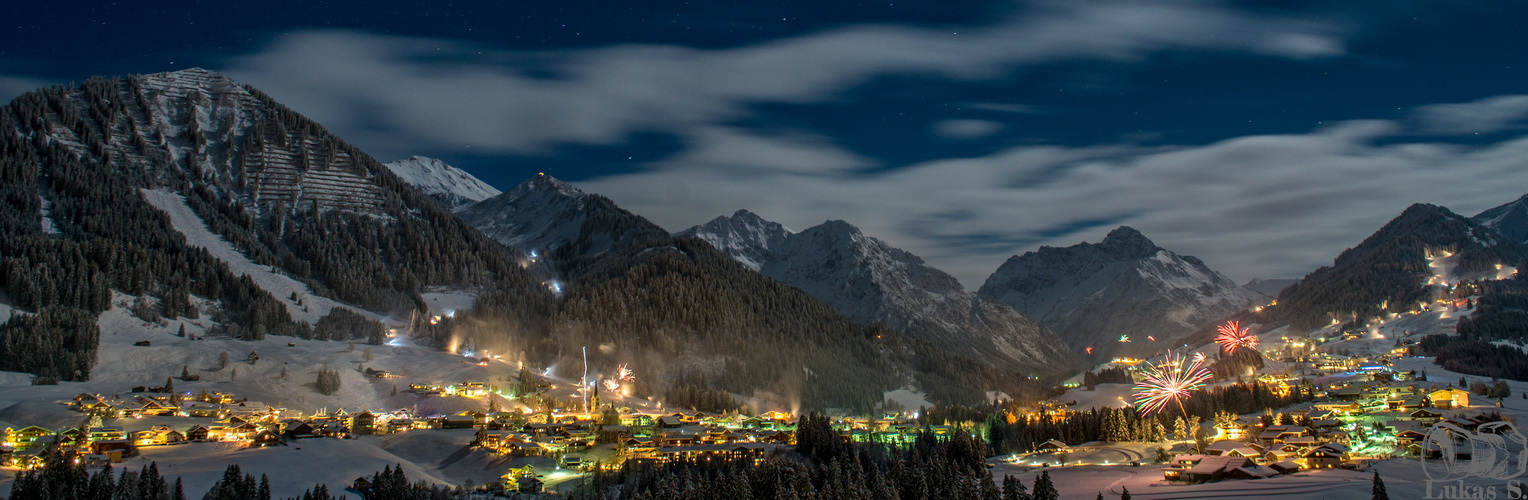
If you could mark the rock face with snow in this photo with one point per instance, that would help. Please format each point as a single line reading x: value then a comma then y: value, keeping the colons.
x: 1511, y: 220
x: 553, y: 219
x: 871, y: 282
x: 744, y: 236
x: 1092, y: 294
x: 452, y: 187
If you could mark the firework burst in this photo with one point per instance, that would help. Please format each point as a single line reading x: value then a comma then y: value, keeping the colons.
x: 1170, y: 381
x: 1232, y: 336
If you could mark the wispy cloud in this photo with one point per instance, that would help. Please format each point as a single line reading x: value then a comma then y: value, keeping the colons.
x: 396, y: 96
x: 399, y: 93
x: 1256, y: 206
x: 1493, y: 114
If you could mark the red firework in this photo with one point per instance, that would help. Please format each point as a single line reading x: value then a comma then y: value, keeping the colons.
x: 1232, y: 336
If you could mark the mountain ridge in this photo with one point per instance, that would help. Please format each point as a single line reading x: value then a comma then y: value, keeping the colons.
x: 1095, y: 293
x: 872, y: 282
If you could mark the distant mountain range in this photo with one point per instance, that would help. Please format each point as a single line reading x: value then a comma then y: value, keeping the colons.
x: 874, y: 283
x: 1093, y: 294
x: 670, y: 287
x: 450, y: 186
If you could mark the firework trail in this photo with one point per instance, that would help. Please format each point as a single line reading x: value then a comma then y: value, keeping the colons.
x: 1232, y: 336
x: 1170, y: 381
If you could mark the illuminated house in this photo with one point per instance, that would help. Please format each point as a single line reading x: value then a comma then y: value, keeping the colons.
x: 28, y: 437
x: 1450, y: 398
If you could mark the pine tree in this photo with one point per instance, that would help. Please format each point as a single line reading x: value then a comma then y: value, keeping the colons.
x: 1044, y: 488
x: 1013, y: 489
x: 1379, y: 488
x: 1124, y: 493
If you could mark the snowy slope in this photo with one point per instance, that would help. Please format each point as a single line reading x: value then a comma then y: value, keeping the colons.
x: 449, y: 185
x: 871, y: 282
x: 1511, y: 220
x: 281, y: 286
x: 1092, y: 294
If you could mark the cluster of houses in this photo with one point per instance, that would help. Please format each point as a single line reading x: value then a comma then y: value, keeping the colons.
x: 1383, y: 418
x: 463, y: 389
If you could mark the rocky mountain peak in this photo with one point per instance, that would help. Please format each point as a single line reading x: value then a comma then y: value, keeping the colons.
x: 1125, y: 242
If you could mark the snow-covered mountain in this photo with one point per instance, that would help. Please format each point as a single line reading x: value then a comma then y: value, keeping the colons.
x: 447, y: 184
x: 1092, y: 294
x: 1511, y: 220
x: 871, y: 282
x: 744, y: 236
x: 550, y: 217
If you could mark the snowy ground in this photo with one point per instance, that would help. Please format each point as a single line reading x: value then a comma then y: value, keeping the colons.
x: 445, y: 302
x: 1102, y: 396
x: 1403, y: 479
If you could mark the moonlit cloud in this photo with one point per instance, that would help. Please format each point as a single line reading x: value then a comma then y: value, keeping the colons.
x: 1256, y: 206
x: 1484, y: 116
x: 396, y: 96
x: 965, y: 128
x: 395, y: 91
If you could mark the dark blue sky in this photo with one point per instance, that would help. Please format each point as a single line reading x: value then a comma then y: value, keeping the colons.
x: 1262, y: 136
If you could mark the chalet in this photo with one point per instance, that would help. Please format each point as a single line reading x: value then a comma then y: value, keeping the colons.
x: 1052, y: 445
x: 1426, y: 414
x: 1407, y: 437
x: 364, y: 423
x: 122, y: 447
x: 1326, y: 456
x: 297, y: 429
x: 198, y: 433
x: 1278, y: 433
x: 330, y: 428
x: 1450, y: 398
x: 1232, y: 448
x: 670, y: 421
x: 29, y: 437
x: 265, y: 438
x: 1202, y: 468
x: 456, y: 421
x: 1285, y: 466
x: 202, y: 409
x: 147, y: 438
x: 1325, y: 423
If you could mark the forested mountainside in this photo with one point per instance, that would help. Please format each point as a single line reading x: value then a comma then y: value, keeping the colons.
x: 678, y: 303
x: 1415, y: 258
x: 1094, y: 294
x: 75, y: 224
x: 92, y: 172
x: 872, y: 282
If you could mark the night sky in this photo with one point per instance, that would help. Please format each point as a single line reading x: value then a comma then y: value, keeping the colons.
x: 1263, y: 137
